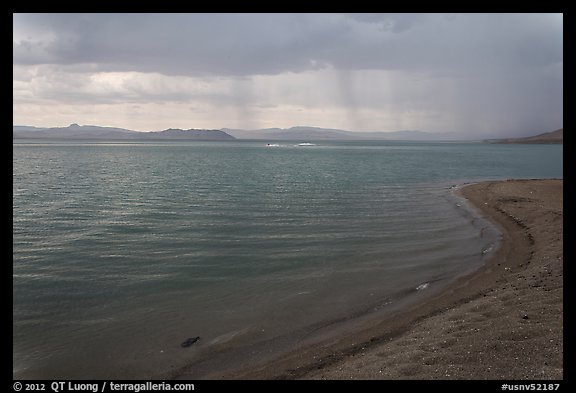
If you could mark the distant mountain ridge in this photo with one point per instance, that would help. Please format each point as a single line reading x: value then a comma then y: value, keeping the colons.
x: 551, y: 137
x: 298, y: 133
x: 75, y: 131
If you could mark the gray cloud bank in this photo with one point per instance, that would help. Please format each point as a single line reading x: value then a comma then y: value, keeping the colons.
x: 248, y: 44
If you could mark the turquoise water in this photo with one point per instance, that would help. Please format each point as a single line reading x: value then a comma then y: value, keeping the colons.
x: 121, y: 251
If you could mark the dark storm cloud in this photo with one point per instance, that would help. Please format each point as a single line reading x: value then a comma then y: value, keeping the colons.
x: 178, y: 44
x: 247, y: 44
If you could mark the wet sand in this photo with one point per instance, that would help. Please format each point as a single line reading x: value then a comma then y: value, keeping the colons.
x: 504, y: 321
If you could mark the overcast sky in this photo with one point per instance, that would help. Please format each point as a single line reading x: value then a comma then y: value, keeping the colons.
x: 481, y: 74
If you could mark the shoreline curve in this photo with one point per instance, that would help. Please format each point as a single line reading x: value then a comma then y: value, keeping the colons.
x: 502, y: 321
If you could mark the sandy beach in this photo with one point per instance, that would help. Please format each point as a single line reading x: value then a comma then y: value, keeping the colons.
x: 504, y: 321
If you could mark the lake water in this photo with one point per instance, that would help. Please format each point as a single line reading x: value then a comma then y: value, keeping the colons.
x: 122, y: 251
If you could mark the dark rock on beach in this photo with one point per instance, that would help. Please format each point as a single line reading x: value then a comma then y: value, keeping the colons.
x: 189, y: 342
